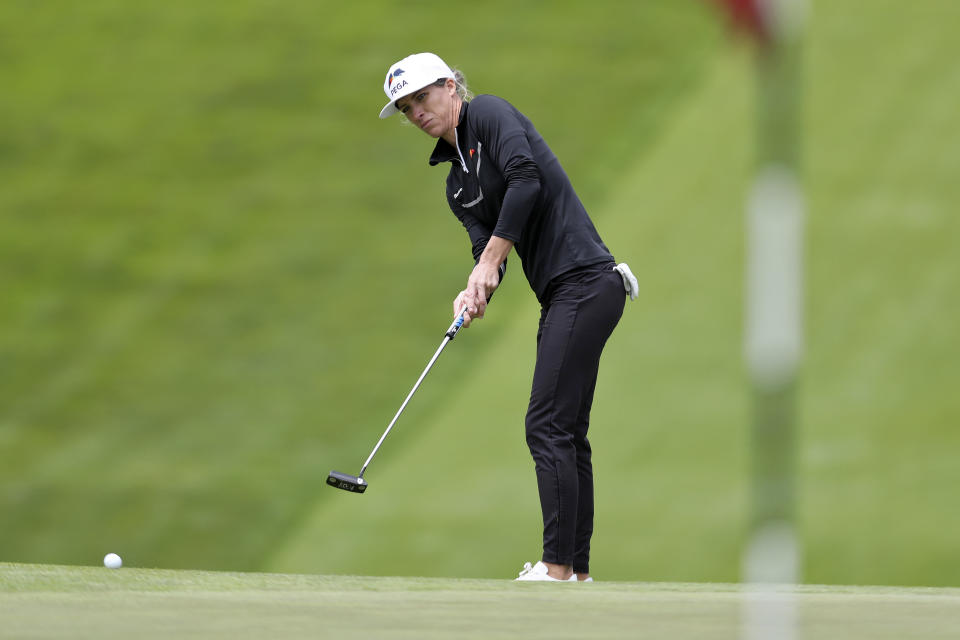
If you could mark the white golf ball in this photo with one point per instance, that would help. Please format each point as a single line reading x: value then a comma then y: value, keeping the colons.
x: 112, y: 561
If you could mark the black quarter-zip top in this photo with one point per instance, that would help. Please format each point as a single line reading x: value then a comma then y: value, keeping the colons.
x: 505, y: 181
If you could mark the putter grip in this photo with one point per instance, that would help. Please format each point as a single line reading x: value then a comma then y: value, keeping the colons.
x: 457, y: 324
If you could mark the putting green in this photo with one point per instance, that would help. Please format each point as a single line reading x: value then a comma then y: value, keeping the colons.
x: 49, y: 601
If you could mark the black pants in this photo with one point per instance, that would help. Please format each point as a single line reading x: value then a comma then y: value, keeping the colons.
x: 579, y: 312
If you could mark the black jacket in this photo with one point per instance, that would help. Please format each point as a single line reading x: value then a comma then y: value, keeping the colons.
x: 505, y: 181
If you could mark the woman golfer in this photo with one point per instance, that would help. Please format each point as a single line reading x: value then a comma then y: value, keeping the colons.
x: 510, y: 192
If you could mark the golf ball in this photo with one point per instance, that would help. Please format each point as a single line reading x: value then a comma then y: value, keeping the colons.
x: 112, y: 561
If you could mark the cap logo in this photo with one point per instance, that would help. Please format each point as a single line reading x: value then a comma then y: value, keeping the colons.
x: 396, y: 73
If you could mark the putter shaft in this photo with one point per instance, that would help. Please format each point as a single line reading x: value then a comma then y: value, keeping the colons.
x: 450, y: 335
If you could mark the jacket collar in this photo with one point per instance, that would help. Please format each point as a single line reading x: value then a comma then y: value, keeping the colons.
x: 444, y: 151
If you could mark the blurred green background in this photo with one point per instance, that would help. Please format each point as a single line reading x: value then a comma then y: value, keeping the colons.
x: 220, y: 274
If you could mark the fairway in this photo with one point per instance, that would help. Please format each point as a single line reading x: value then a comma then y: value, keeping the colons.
x: 49, y: 601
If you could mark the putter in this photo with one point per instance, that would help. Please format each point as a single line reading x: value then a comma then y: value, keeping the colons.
x: 356, y: 484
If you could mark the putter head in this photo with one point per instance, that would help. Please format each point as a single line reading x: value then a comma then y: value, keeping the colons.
x: 346, y: 482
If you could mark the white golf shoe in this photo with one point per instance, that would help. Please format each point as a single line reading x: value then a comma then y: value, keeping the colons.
x: 538, y: 572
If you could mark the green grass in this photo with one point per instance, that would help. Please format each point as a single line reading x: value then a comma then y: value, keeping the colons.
x: 47, y: 601
x: 221, y: 273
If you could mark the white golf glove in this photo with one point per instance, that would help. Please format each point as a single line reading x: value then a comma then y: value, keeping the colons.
x: 629, y: 281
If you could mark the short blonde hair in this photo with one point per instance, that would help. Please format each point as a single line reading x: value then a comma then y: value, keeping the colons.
x: 461, y: 81
x: 462, y: 89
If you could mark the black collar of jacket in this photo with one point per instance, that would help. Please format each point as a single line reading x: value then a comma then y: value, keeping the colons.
x: 444, y: 152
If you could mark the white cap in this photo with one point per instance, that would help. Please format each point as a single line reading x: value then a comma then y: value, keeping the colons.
x: 412, y: 74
